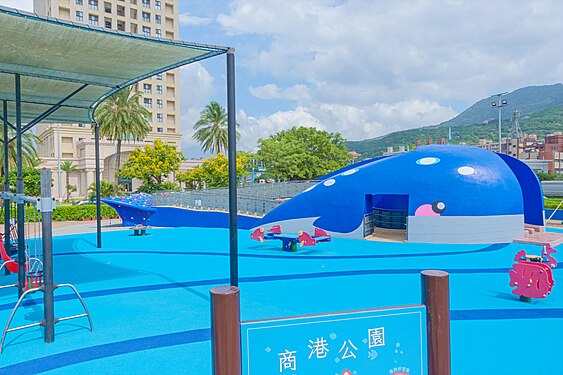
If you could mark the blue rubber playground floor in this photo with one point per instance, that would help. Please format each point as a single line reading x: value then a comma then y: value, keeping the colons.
x: 149, y: 300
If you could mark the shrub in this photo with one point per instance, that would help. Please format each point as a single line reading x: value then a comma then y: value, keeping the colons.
x: 552, y: 203
x: 87, y: 211
x: 67, y: 213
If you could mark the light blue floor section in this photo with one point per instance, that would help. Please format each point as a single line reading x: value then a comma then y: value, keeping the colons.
x: 149, y: 298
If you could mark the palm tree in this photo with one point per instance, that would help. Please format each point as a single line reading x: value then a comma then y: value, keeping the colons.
x: 67, y: 167
x: 29, y: 151
x: 120, y: 117
x: 212, y: 129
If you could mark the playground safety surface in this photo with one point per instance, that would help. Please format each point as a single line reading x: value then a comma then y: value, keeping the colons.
x: 149, y: 300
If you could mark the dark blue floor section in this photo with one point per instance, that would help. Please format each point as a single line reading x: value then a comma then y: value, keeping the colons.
x: 107, y: 350
x: 255, y: 279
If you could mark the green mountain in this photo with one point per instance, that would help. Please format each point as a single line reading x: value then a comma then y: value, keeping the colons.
x: 541, y: 111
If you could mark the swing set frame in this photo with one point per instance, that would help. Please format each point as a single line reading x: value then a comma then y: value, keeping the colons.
x: 65, y: 83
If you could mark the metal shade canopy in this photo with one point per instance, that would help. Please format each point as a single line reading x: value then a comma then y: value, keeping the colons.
x: 55, y: 58
x: 57, y: 71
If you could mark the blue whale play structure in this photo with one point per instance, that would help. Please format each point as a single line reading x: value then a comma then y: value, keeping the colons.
x: 436, y: 194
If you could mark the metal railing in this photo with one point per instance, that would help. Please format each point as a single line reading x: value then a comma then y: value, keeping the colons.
x: 552, y: 188
x: 252, y: 200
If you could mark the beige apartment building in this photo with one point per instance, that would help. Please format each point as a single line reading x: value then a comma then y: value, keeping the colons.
x: 75, y: 142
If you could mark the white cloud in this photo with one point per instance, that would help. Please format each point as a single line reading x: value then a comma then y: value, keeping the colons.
x: 367, y: 68
x: 351, y: 121
x: 196, y: 91
x: 253, y: 128
x: 20, y: 4
x: 272, y: 91
x: 190, y: 20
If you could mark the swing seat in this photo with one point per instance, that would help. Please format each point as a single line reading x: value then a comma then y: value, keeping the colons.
x: 12, y: 264
x: 33, y: 279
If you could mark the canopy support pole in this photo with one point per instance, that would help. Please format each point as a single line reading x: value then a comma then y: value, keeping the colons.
x: 232, y: 154
x: 47, y: 242
x: 98, y: 203
x: 7, y: 212
x: 20, y: 190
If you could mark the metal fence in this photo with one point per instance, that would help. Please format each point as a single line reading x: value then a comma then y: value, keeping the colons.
x: 253, y: 200
x: 552, y: 188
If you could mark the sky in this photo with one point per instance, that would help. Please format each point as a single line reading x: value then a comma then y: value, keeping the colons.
x: 363, y: 68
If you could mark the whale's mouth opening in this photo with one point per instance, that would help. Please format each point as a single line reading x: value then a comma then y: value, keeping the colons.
x: 385, y: 216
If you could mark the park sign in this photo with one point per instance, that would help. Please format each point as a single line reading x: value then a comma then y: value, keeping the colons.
x: 390, y: 341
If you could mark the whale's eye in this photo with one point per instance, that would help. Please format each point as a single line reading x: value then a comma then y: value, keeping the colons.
x: 438, y: 207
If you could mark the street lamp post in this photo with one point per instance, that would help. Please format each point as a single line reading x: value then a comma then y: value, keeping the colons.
x: 501, y: 103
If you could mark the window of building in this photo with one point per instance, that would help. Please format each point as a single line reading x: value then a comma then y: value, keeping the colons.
x: 107, y: 7
x: 159, y: 117
x: 79, y: 16
x: 160, y: 130
x: 146, y: 17
x: 93, y: 4
x: 159, y: 103
x: 157, y: 5
x: 147, y: 88
x: 79, y: 2
x: 120, y: 25
x: 93, y: 19
x: 120, y: 11
x: 159, y: 89
x: 158, y: 19
x: 159, y: 77
x: 108, y: 23
x: 147, y: 102
x: 146, y: 3
x: 147, y: 119
x: 158, y: 32
x: 146, y: 31
x: 81, y: 125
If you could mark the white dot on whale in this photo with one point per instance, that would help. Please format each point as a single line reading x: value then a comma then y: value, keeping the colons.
x: 330, y: 182
x: 466, y: 171
x: 427, y: 161
x: 349, y: 172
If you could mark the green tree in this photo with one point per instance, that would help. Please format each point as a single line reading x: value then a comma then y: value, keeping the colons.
x: 31, y: 181
x: 68, y: 167
x: 151, y: 164
x: 302, y: 153
x: 151, y: 187
x: 250, y: 163
x: 543, y: 176
x: 69, y: 190
x: 29, y: 151
x: 212, y: 173
x: 106, y: 189
x: 120, y: 117
x: 212, y: 129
